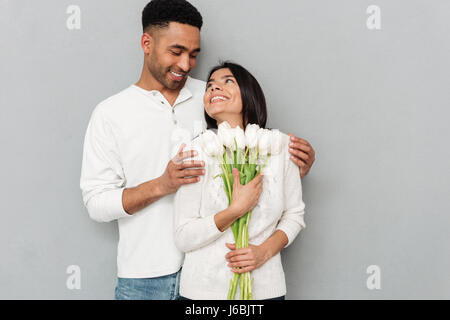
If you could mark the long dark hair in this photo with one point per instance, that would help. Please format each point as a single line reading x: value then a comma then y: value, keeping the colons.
x: 254, y: 108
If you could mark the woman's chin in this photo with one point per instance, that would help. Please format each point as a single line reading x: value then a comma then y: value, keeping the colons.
x: 214, y: 111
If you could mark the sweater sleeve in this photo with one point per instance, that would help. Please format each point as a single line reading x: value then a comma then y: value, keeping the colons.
x: 193, y: 231
x: 102, y: 178
x: 291, y: 221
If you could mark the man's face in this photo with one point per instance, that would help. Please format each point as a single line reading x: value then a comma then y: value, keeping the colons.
x: 173, y: 53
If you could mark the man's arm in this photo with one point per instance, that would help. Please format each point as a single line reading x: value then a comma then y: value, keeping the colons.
x: 139, y: 197
x: 302, y: 154
x: 103, y: 180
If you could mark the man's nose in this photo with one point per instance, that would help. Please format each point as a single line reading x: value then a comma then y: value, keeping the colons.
x: 183, y: 63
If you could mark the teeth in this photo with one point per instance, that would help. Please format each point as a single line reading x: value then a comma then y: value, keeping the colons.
x: 176, y: 74
x: 218, y: 98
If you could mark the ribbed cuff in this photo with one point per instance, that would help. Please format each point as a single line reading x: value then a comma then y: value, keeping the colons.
x: 211, y: 227
x: 291, y: 229
x: 107, y: 206
x: 114, y: 205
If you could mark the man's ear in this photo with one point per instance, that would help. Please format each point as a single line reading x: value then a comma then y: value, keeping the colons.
x: 147, y: 42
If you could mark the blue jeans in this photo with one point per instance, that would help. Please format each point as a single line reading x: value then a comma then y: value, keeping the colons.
x: 277, y: 298
x: 159, y: 288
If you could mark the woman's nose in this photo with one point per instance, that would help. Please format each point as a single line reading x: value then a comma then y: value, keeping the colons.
x: 215, y: 87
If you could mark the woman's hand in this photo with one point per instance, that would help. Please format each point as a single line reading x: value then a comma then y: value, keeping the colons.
x: 245, y: 197
x: 253, y: 257
x: 247, y: 259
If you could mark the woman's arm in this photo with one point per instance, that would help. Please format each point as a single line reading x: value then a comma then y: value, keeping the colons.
x: 193, y: 231
x: 288, y: 227
x: 243, y: 199
x: 253, y: 257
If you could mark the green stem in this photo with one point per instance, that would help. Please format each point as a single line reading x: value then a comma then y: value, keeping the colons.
x: 249, y: 287
x: 241, y: 285
x: 233, y: 286
x: 225, y: 171
x: 239, y: 239
x: 245, y: 287
x: 265, y: 162
x: 227, y: 186
x: 244, y: 281
x: 234, y: 154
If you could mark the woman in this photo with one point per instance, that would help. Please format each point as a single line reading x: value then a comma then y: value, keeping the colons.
x: 203, y: 217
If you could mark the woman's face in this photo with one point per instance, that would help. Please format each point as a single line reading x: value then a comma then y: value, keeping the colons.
x: 222, y: 98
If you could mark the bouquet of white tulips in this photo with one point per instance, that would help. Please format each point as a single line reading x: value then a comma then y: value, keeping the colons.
x: 249, y: 152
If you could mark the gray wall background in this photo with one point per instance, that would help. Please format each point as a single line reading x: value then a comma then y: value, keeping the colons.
x: 373, y: 103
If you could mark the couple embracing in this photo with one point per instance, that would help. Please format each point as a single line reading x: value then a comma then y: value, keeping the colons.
x: 178, y: 214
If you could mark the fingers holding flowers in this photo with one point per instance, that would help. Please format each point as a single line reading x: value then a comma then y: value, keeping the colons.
x: 245, y: 197
x: 245, y: 259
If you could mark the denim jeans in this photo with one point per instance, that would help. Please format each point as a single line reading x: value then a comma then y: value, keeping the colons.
x: 159, y: 288
x: 277, y: 298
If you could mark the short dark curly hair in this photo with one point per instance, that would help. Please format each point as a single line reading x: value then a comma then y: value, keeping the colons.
x: 160, y: 12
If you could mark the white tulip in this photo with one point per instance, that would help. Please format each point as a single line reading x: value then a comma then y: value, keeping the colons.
x: 251, y: 135
x: 264, y: 141
x: 211, y: 144
x: 226, y: 135
x: 260, y: 132
x: 224, y: 125
x: 276, y: 143
x: 239, y: 135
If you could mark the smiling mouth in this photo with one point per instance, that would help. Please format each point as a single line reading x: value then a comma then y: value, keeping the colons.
x: 177, y: 76
x: 218, y: 99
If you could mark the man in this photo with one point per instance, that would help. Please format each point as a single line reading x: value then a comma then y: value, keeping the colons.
x: 128, y: 173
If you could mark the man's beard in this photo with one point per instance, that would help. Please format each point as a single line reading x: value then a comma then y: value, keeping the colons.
x: 160, y: 74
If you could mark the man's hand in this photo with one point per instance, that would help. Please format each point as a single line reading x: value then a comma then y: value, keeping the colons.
x: 139, y: 197
x: 178, y: 170
x: 302, y: 154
